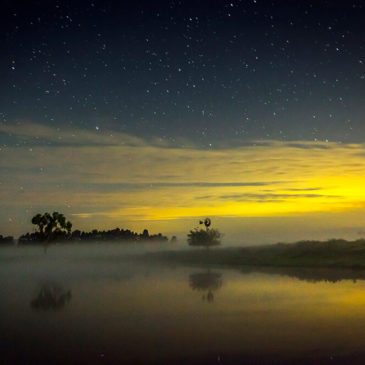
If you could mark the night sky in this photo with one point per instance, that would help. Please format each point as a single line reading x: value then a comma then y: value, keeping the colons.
x: 153, y: 114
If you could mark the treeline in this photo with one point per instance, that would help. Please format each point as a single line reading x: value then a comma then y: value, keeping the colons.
x: 116, y: 234
x: 6, y: 240
x: 56, y: 228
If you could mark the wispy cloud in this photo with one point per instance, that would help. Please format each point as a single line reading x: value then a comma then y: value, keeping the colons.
x: 304, y: 189
x: 115, y: 187
x: 40, y: 134
x: 309, y: 145
x: 275, y: 197
x: 109, y: 174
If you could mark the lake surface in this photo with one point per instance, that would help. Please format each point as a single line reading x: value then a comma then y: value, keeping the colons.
x: 96, y: 304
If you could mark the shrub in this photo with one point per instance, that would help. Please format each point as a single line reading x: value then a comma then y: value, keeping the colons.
x: 201, y: 237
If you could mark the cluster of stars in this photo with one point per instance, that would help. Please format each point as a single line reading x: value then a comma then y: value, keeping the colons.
x: 234, y: 70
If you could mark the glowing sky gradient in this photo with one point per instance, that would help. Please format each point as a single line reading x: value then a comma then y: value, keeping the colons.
x: 156, y: 115
x: 132, y: 182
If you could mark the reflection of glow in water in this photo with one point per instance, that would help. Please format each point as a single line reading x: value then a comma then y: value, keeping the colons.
x: 51, y: 297
x: 122, y: 304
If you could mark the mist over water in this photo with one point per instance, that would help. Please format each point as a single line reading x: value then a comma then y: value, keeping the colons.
x: 93, y: 303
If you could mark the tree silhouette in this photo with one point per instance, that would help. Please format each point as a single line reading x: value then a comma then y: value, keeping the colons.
x: 208, y: 237
x: 206, y: 282
x: 145, y: 234
x: 6, y: 240
x: 200, y: 237
x: 51, y: 297
x: 52, y: 226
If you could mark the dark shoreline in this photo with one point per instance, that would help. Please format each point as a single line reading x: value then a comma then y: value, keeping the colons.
x: 335, y: 254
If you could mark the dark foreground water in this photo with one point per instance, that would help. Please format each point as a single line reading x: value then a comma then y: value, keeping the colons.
x: 93, y: 304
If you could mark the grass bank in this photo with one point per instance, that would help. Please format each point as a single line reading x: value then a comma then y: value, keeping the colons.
x: 332, y: 253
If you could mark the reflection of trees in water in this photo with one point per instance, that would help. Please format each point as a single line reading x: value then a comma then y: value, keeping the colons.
x: 51, y: 297
x: 311, y: 274
x: 206, y: 282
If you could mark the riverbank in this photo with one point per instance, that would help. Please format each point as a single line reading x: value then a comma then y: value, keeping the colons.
x: 332, y: 253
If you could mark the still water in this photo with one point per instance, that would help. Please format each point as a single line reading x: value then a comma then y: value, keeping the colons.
x: 96, y: 304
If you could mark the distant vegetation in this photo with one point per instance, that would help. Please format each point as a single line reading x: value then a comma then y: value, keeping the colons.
x: 201, y: 237
x: 208, y: 237
x: 51, y: 297
x: 51, y: 227
x: 116, y: 234
x: 55, y: 227
x: 335, y: 253
x: 6, y: 240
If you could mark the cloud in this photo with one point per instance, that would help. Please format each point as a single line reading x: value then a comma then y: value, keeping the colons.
x: 275, y: 197
x: 304, y: 189
x: 27, y: 132
x: 126, y: 177
x: 39, y: 134
x: 309, y: 145
x: 115, y: 187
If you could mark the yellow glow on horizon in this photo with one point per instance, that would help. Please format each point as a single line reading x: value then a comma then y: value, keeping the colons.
x: 312, y: 182
x: 136, y: 180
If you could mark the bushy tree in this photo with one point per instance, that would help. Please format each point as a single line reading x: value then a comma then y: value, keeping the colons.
x: 52, y: 226
x: 201, y: 237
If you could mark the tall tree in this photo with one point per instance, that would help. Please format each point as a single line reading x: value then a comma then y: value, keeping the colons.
x: 52, y: 226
